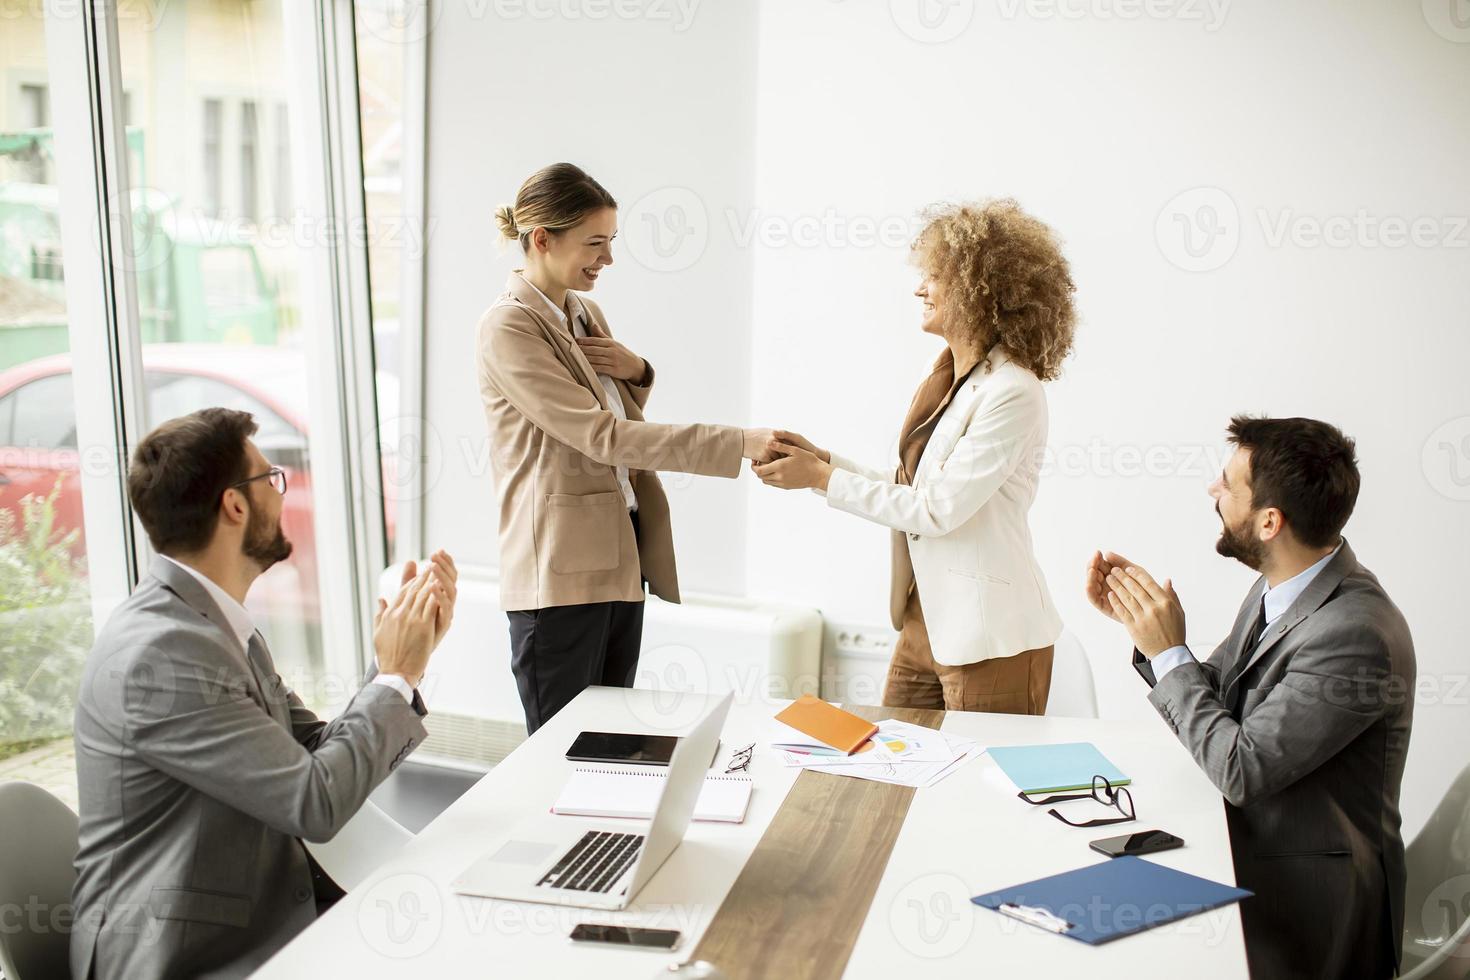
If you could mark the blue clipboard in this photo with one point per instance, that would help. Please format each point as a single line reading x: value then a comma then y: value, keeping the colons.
x: 1115, y: 898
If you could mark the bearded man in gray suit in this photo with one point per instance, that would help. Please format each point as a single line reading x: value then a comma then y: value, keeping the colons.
x: 200, y: 773
x: 1302, y: 716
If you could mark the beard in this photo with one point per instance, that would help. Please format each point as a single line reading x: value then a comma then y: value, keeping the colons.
x: 1240, y: 544
x: 265, y: 544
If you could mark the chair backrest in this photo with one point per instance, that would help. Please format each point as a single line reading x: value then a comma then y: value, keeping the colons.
x: 36, y: 876
x: 1437, y: 899
x: 1072, y: 693
x: 369, y: 839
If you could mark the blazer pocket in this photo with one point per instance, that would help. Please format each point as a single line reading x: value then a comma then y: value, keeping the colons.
x: 584, y: 531
x: 979, y: 576
x: 198, y: 905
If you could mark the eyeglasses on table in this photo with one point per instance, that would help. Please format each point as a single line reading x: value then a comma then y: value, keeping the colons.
x: 1103, y: 792
x: 740, y: 760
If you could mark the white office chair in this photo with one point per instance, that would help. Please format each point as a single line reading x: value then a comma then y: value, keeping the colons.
x: 370, y: 838
x: 1072, y: 693
x: 35, y: 871
x: 1437, y: 900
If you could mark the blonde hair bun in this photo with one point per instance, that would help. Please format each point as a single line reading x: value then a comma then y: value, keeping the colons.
x: 505, y: 219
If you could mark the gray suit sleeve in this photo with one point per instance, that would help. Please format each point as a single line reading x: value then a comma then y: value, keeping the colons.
x: 306, y: 727
x: 1334, y: 687
x: 196, y: 721
x: 310, y: 730
x: 1145, y: 668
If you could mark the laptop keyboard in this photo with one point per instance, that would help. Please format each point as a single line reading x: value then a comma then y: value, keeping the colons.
x: 595, y: 863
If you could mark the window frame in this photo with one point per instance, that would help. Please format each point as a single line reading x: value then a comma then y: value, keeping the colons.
x: 87, y: 106
x: 91, y: 160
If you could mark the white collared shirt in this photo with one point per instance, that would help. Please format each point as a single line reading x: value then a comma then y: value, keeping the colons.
x: 242, y: 625
x: 614, y: 397
x: 1274, y: 601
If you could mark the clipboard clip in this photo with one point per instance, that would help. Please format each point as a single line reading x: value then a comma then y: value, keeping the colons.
x: 1036, y: 916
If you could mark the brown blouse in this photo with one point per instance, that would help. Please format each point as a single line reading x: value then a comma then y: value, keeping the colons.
x: 929, y: 403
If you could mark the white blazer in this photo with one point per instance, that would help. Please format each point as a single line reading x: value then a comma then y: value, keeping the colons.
x: 960, y: 532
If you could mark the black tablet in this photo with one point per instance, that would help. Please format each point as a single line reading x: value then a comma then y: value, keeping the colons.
x: 624, y: 748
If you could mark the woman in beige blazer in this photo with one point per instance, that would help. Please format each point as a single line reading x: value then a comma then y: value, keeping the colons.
x: 999, y: 292
x: 583, y: 519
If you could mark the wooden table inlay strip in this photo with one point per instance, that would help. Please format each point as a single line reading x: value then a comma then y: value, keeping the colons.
x: 798, y: 905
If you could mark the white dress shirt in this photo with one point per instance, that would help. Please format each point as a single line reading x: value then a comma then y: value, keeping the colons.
x: 614, y: 397
x: 241, y: 623
x: 243, y: 626
x: 1274, y: 602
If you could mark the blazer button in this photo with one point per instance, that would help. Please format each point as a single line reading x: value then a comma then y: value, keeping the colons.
x: 302, y: 894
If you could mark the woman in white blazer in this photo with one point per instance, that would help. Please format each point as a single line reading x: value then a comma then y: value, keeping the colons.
x: 998, y: 290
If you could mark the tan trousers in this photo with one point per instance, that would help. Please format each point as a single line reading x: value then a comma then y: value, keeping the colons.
x: 1015, y: 685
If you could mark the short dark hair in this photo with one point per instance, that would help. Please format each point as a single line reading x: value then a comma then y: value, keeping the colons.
x: 180, y: 471
x: 1304, y: 468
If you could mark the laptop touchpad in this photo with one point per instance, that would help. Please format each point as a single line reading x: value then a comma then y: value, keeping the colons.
x: 523, y: 852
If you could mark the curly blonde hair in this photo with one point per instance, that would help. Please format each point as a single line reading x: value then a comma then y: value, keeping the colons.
x: 1005, y: 280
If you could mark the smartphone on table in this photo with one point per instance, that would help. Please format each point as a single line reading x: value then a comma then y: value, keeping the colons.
x: 1142, y: 842
x: 591, y: 932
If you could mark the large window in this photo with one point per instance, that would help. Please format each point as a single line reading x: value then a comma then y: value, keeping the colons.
x: 224, y: 322
x: 390, y: 107
x: 45, y: 605
x: 220, y: 275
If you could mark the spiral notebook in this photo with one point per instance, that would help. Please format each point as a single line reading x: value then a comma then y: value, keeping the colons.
x: 634, y: 793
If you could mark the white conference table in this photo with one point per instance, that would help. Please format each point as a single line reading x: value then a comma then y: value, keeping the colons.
x: 966, y: 835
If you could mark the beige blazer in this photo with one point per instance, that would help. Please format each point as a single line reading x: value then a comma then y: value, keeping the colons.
x: 565, y: 536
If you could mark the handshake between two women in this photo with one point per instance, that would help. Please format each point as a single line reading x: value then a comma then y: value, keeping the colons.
x: 791, y: 462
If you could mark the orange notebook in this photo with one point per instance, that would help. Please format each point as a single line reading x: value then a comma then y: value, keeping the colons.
x: 830, y: 725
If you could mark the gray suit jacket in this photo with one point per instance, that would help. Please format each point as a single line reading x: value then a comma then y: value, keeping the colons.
x: 1307, y: 743
x: 199, y: 773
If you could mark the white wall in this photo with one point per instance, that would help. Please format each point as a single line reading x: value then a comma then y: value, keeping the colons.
x: 1094, y: 124
x: 661, y: 111
x: 832, y: 123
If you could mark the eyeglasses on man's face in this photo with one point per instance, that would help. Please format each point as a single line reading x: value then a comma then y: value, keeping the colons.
x: 1103, y: 792
x: 275, y: 475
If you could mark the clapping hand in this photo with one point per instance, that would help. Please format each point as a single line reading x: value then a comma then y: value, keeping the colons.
x: 1124, y: 591
x: 1096, y: 588
x: 407, y: 630
x: 446, y: 574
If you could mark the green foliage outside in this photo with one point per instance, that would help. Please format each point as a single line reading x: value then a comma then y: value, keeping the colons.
x: 45, y: 625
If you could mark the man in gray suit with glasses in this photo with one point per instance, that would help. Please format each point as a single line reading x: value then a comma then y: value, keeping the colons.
x: 1302, y: 716
x: 199, y: 772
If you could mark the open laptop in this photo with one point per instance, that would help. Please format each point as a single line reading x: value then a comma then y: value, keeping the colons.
x: 574, y: 861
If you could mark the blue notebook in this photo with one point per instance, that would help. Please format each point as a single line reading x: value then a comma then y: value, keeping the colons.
x: 1055, y: 768
x: 1106, y: 901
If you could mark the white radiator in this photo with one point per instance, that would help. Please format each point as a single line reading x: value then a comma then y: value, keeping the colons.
x: 706, y: 643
